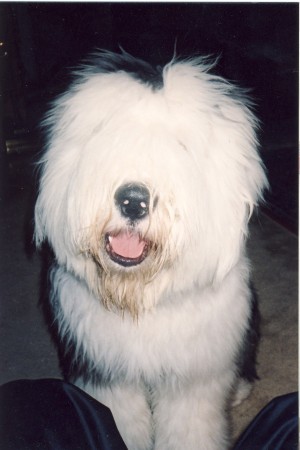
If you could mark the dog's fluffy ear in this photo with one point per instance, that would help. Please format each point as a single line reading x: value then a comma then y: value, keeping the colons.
x: 219, y: 132
x: 236, y: 181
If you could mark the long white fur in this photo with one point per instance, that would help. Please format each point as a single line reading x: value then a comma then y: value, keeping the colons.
x: 169, y: 353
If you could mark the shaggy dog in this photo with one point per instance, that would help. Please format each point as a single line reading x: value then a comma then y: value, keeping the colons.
x: 148, y: 181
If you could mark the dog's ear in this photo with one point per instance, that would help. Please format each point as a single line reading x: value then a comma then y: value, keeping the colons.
x: 237, y: 179
x: 220, y: 134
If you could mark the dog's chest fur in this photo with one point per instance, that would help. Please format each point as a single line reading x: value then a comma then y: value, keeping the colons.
x: 183, y: 338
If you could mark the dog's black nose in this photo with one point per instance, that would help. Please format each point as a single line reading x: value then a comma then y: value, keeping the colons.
x: 133, y: 200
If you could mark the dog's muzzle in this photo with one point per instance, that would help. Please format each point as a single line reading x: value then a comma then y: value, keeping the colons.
x: 127, y: 247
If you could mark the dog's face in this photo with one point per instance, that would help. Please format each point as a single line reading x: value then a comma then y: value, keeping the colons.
x: 148, y: 182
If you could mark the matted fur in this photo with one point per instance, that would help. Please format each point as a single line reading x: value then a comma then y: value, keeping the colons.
x: 164, y: 334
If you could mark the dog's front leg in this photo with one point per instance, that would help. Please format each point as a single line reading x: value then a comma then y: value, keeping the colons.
x: 131, y: 411
x: 190, y: 417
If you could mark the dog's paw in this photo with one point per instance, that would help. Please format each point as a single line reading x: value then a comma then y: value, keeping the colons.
x: 241, y: 392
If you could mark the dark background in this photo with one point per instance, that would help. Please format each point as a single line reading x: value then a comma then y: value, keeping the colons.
x: 257, y: 45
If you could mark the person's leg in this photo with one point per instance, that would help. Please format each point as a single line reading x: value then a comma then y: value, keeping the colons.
x: 54, y: 415
x: 274, y: 428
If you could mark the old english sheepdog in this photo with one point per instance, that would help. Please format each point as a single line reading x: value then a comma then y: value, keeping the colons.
x: 148, y: 181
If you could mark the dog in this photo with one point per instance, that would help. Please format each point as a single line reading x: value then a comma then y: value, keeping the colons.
x: 148, y: 181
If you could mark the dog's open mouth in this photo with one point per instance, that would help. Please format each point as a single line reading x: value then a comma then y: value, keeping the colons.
x: 126, y: 248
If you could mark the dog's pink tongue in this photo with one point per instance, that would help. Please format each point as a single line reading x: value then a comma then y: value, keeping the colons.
x: 127, y: 245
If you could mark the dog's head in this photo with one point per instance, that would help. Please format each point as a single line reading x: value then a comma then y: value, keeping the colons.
x: 149, y: 179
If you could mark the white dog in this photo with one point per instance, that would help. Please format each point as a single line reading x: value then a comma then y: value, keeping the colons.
x: 147, y: 185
